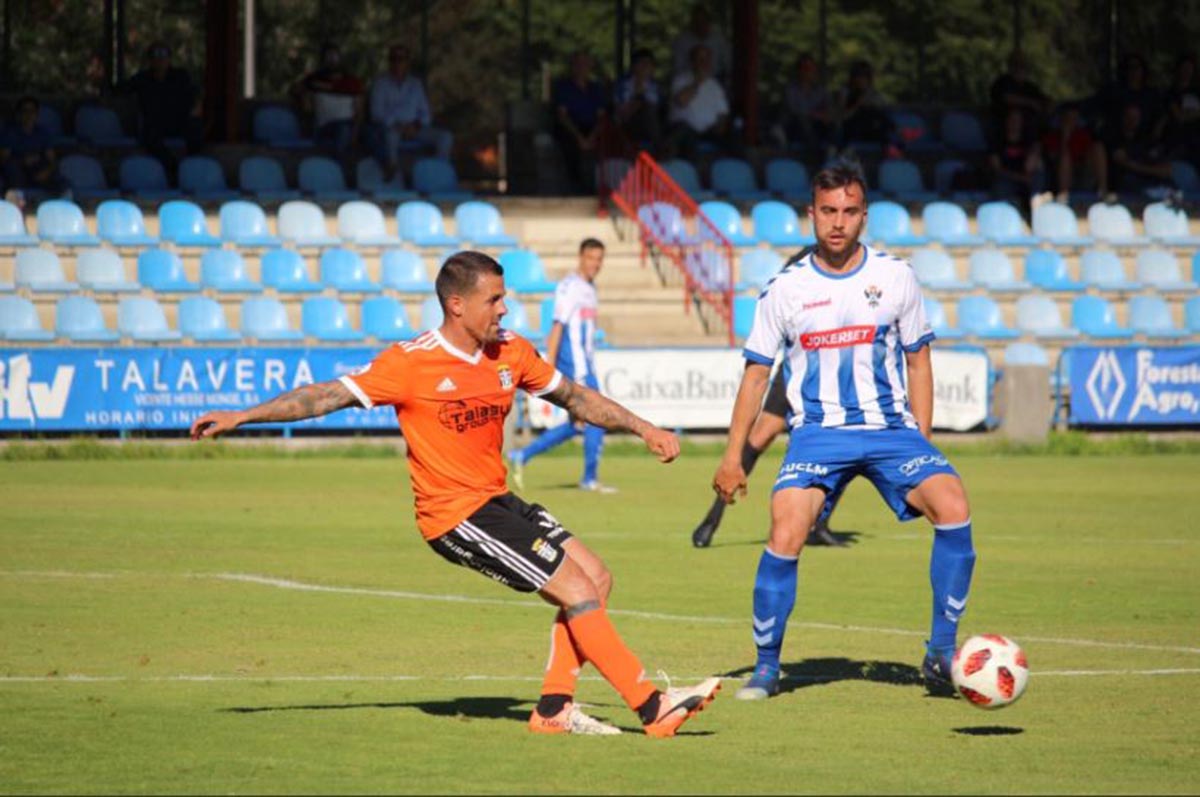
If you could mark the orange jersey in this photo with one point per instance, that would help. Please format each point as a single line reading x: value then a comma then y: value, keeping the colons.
x: 452, y: 406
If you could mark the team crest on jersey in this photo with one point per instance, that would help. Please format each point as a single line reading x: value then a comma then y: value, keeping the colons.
x: 505, y: 374
x: 873, y: 294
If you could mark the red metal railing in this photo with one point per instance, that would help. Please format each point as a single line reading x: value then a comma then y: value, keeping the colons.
x: 686, y: 247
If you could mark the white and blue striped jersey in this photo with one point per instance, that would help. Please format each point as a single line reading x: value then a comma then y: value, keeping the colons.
x: 575, y: 307
x: 844, y: 337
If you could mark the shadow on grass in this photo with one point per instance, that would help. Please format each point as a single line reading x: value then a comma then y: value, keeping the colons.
x: 819, y: 672
x: 844, y: 539
x: 989, y: 730
x: 506, y: 708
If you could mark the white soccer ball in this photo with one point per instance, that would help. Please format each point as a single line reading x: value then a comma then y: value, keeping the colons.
x: 990, y: 671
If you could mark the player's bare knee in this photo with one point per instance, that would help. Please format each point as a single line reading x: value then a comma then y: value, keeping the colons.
x: 787, y: 539
x: 950, y: 506
x: 604, y: 583
x: 570, y: 586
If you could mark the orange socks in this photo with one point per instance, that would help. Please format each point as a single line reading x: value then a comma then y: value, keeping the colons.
x: 562, y: 671
x: 598, y: 642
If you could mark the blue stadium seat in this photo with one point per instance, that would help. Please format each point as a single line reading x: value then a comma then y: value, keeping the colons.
x: 993, y: 270
x: 935, y: 270
x: 326, y: 319
x: 902, y: 179
x: 914, y: 131
x: 101, y: 127
x: 1056, y: 223
x: 1022, y: 353
x: 1039, y: 315
x: 79, y: 319
x: 946, y: 171
x: 777, y: 223
x: 726, y: 218
x: 143, y: 319
x: 40, y: 271
x: 224, y: 270
x: 203, y: 320
x: 323, y: 178
x: 1159, y: 269
x: 203, y: 178
x: 431, y: 313
x: 19, y: 320
x: 404, y: 270
x: 278, y: 127
x: 362, y: 224
x: 1112, y: 224
x: 1168, y: 225
x: 888, y: 223
x: 1102, y: 268
x: 1191, y: 315
x: 162, y: 270
x: 12, y: 226
x: 385, y: 319
x: 245, y: 224
x: 788, y: 179
x: 84, y: 175
x: 756, y: 267
x: 517, y: 320
x: 437, y: 180
x: 980, y: 316
x: 345, y: 271
x: 1046, y: 269
x: 50, y: 119
x: 962, y: 132
x: 1001, y: 223
x: 61, y: 222
x: 1096, y: 317
x: 743, y: 316
x: 145, y: 177
x: 524, y: 272
x: 686, y: 176
x: 481, y: 224
x: 947, y: 223
x: 665, y: 223
x: 182, y: 223
x: 102, y: 270
x: 121, y: 223
x: 1186, y: 179
x: 1151, y: 316
x: 421, y: 223
x: 709, y: 268
x: 302, y: 224
x: 266, y: 319
x: 285, y: 271
x: 734, y: 178
x: 263, y: 178
x: 369, y: 180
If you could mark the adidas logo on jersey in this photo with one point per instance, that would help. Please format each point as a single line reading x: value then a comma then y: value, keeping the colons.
x: 447, y: 386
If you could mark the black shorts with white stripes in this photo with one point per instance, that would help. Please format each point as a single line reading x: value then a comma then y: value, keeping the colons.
x: 518, y: 544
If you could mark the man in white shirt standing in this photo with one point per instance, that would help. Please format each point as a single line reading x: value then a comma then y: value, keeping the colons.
x: 699, y: 107
x: 400, y: 107
x: 700, y: 30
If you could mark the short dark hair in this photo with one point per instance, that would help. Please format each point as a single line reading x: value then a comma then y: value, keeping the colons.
x: 839, y: 175
x: 590, y: 243
x: 461, y: 271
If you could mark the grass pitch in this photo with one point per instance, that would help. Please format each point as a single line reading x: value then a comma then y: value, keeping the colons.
x: 277, y: 625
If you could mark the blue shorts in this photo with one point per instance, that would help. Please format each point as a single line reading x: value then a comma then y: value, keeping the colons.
x: 894, y: 460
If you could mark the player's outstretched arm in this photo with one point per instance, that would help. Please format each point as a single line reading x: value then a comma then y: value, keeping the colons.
x: 729, y: 482
x: 309, y: 401
x: 589, y: 406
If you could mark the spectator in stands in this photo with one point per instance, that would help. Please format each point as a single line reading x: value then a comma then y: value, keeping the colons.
x: 1069, y: 149
x: 1181, y: 123
x: 400, y: 113
x: 1132, y: 87
x: 1014, y: 89
x: 26, y: 151
x: 169, y: 105
x: 805, y: 116
x: 1016, y: 160
x: 638, y: 103
x: 699, y: 108
x: 1138, y: 162
x: 581, y: 112
x: 700, y: 30
x: 861, y: 111
x: 335, y: 98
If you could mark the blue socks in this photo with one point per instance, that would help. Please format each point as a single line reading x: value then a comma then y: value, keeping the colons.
x: 593, y: 442
x: 774, y: 597
x: 950, y: 567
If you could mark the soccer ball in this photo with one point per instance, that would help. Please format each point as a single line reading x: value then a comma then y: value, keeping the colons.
x: 990, y: 671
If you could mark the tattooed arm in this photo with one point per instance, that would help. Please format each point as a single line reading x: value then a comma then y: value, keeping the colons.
x: 589, y: 406
x: 309, y: 401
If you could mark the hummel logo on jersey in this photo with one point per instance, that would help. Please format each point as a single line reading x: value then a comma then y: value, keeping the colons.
x: 447, y: 386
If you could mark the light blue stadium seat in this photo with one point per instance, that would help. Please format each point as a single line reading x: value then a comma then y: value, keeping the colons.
x: 436, y: 179
x: 12, y: 226
x: 203, y: 320
x: 1159, y: 269
x: 84, y: 175
x: 962, y: 132
x: 404, y: 270
x: 203, y: 178
x: 1168, y: 225
x: 266, y: 319
x: 145, y: 177
x: 935, y: 270
x: 902, y: 179
x: 1151, y: 316
x: 121, y: 223
x: 79, y: 319
x: 756, y: 267
x: 734, y: 178
x: 1112, y: 224
x: 143, y: 319
x: 224, y: 270
x: 182, y: 223
x: 481, y: 224
x: 1046, y: 269
x: 19, y: 320
x: 1186, y: 179
x: 993, y: 270
x: 686, y: 176
x: 666, y: 224
x: 101, y: 127
x: 40, y: 271
x: 1102, y: 268
x: 1023, y: 353
x: 278, y: 127
x: 914, y: 131
x: 743, y: 316
x: 726, y: 218
x: 322, y: 177
x: 1191, y: 315
x: 344, y: 270
x: 369, y: 180
x: 1001, y: 223
x: 709, y: 268
x: 1039, y: 316
x: 162, y: 270
x: 302, y: 224
x: 102, y: 270
x: 517, y: 320
x: 431, y: 313
x: 285, y: 271
x: 524, y: 272
x: 888, y: 223
x: 263, y: 178
x: 245, y: 224
x: 1056, y: 223
x: 947, y: 223
x: 421, y: 223
x: 326, y: 319
x: 777, y: 223
x: 362, y: 224
x: 61, y: 222
x: 1095, y: 317
x: 788, y: 179
x: 385, y: 319
x: 980, y: 316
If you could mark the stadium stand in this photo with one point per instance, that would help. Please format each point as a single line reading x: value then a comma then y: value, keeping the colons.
x: 935, y: 313
x: 142, y: 319
x: 386, y: 320
x: 1113, y: 225
x: 1026, y: 353
x: 121, y: 223
x: 947, y: 223
x: 888, y: 223
x: 203, y: 179
x: 1191, y: 315
x: 12, y: 227
x: 101, y: 270
x: 326, y: 319
x: 278, y: 128
x: 403, y: 270
x: 734, y: 178
x: 262, y: 177
x: 79, y: 319
x: 84, y: 175
x: 901, y: 180
x: 101, y: 127
x: 224, y: 271
x: 19, y: 321
x: 743, y: 316
x: 1168, y: 225
x: 726, y: 218
x: 665, y: 221
x: 981, y: 316
x: 517, y: 320
x: 362, y: 224
x: 266, y: 319
x: 40, y: 271
x: 1159, y: 269
x: 524, y: 272
x: 245, y: 224
x: 1102, y: 269
x: 369, y: 180
x: 788, y: 179
x: 962, y: 132
x: 993, y: 270
x: 284, y: 271
x: 182, y: 223
x: 480, y: 224
x: 202, y: 320
x: 431, y: 313
x: 685, y: 174
x: 302, y: 224
x: 161, y: 270
x: 1151, y: 316
x: 1056, y: 224
x: 777, y: 223
x: 1001, y: 223
x: 935, y: 270
x: 1046, y: 269
x: 62, y: 223
x: 344, y: 270
x: 756, y: 267
x: 436, y: 179
x: 145, y: 178
x: 1039, y: 315
x: 1094, y: 316
x: 323, y: 179
x: 421, y: 223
